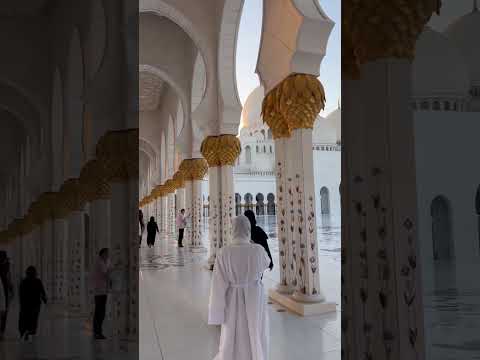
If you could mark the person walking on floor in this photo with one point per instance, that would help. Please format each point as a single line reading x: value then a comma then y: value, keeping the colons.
x: 152, y: 230
x: 3, y: 307
x: 237, y: 297
x: 7, y: 287
x: 32, y: 294
x: 101, y: 288
x: 181, y: 224
x: 258, y: 235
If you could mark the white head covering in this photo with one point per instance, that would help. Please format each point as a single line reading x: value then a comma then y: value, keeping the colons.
x: 241, y: 230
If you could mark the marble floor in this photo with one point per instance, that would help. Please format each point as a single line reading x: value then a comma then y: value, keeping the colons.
x: 452, y: 310
x: 59, y: 337
x: 174, y: 290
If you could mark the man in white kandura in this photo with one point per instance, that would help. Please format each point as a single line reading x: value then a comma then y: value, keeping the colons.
x: 237, y: 297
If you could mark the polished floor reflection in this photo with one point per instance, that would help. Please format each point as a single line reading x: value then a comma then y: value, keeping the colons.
x: 452, y: 310
x: 174, y: 289
x: 59, y: 338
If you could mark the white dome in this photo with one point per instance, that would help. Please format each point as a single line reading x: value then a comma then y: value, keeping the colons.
x: 438, y: 67
x: 252, y: 110
x: 335, y: 118
x: 463, y: 33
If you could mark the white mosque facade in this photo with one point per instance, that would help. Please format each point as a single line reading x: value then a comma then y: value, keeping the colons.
x: 446, y: 104
x: 255, y: 169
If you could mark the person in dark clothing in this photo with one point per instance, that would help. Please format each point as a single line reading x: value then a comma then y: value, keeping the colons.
x: 7, y: 287
x: 152, y: 230
x: 142, y: 224
x: 32, y: 294
x: 258, y: 235
x: 101, y: 288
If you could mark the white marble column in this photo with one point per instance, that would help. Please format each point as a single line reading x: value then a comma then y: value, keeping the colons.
x: 120, y: 227
x: 47, y: 243
x: 60, y: 228
x: 227, y: 202
x: 188, y: 212
x: 133, y: 304
x: 180, y: 198
x: 301, y: 191
x: 284, y: 234
x: 76, y: 262
x: 171, y: 228
x: 197, y: 214
x: 221, y: 153
x: 100, y: 216
x: 164, y: 214
x: 215, y: 211
x: 380, y: 248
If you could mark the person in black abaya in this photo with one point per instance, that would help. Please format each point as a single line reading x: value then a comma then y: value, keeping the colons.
x: 258, y: 235
x: 32, y: 294
x: 152, y: 230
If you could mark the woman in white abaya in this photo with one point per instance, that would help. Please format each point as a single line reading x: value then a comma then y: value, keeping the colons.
x: 237, y: 297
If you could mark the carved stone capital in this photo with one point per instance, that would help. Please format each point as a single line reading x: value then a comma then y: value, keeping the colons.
x: 178, y: 178
x: 118, y: 151
x: 169, y: 186
x: 72, y: 195
x: 194, y: 169
x: 94, y: 181
x: 221, y: 150
x: 293, y: 104
x: 376, y: 29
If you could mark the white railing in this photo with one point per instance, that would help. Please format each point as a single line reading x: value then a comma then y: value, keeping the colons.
x: 326, y: 147
x: 254, y: 172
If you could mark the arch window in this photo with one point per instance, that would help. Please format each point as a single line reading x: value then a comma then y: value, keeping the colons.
x: 436, y: 106
x: 257, y: 149
x: 238, y: 204
x: 446, y: 105
x: 260, y: 206
x: 271, y: 150
x: 324, y: 201
x: 248, y: 155
x: 441, y: 229
x: 264, y: 149
x: 425, y: 105
x: 270, y: 204
x: 248, y: 201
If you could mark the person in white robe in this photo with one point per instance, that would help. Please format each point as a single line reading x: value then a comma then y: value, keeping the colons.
x: 237, y: 297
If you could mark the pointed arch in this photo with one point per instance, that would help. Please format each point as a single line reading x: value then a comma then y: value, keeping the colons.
x: 442, y: 242
x: 325, y: 201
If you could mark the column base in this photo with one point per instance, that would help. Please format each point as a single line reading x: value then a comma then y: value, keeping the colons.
x: 284, y: 289
x: 300, y: 307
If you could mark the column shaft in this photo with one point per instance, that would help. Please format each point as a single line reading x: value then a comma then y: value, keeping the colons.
x: 76, y: 262
x: 215, y: 217
x: 197, y: 211
x: 283, y: 220
x: 60, y: 228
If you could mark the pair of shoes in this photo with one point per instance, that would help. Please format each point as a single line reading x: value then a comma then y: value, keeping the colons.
x: 99, y: 337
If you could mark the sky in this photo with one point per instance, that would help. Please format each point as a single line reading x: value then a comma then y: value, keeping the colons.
x: 330, y: 71
x: 249, y: 41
